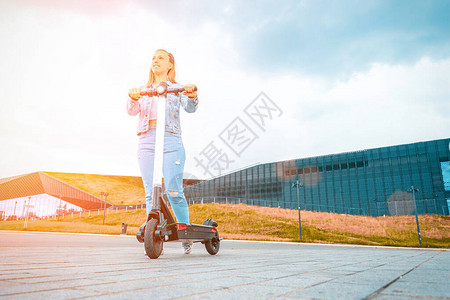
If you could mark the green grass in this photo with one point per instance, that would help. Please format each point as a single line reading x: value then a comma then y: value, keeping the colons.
x: 270, y: 224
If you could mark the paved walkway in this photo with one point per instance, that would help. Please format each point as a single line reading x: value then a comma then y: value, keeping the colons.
x: 70, y: 266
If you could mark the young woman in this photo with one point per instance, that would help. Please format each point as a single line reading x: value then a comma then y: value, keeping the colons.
x: 163, y: 69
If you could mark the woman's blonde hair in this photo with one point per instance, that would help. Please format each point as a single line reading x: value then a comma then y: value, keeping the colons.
x: 170, y: 74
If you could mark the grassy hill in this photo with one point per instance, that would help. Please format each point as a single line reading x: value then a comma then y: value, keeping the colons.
x: 244, y: 221
x: 122, y: 190
x: 271, y: 224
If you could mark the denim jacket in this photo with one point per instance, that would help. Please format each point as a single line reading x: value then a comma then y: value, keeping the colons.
x: 173, y: 102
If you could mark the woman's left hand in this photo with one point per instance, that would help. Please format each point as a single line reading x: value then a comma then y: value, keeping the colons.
x: 189, y: 90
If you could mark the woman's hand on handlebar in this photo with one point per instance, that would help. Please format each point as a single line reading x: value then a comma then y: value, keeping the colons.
x: 189, y: 90
x: 134, y: 94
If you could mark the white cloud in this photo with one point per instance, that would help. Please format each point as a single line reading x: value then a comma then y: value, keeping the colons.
x: 64, y: 78
x: 386, y: 105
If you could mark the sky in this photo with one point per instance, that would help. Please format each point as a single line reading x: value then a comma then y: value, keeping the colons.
x: 277, y: 80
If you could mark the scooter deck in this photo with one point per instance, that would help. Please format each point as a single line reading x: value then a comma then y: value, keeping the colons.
x: 193, y: 232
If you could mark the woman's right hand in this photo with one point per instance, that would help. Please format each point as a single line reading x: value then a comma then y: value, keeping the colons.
x: 134, y: 94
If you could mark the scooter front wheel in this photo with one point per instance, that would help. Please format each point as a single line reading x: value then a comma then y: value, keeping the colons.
x: 213, y: 246
x: 153, y: 245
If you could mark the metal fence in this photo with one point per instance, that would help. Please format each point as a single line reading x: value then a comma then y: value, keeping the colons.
x: 409, y: 207
x: 62, y: 214
x: 391, y: 208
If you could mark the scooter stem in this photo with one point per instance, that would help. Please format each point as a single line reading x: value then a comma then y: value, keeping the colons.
x: 159, y: 151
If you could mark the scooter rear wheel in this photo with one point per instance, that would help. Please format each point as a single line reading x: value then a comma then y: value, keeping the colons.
x: 212, y: 246
x: 153, y: 245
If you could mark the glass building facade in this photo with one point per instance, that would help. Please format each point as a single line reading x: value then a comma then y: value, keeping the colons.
x: 370, y: 182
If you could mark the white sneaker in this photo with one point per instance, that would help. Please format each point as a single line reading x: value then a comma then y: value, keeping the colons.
x: 187, y: 246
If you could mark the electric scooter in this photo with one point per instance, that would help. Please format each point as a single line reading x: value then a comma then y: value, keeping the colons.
x: 160, y: 226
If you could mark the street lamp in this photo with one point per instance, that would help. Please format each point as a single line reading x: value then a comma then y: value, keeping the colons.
x: 104, y: 210
x: 14, y: 213
x: 27, y: 206
x: 298, y: 184
x: 414, y: 190
x: 25, y: 222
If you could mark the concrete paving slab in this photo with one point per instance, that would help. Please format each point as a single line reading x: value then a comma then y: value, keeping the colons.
x: 379, y: 278
x: 421, y: 289
x: 332, y: 290
x: 295, y: 282
x: 250, y: 292
x: 53, y: 294
x: 130, y: 285
x: 398, y: 297
x: 428, y: 276
x: 74, y: 266
x: 19, y: 288
x: 165, y: 292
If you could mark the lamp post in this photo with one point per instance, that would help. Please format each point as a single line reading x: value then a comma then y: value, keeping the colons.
x: 14, y: 213
x: 25, y: 223
x: 298, y: 184
x: 414, y: 190
x: 376, y: 205
x: 27, y: 206
x: 104, y: 201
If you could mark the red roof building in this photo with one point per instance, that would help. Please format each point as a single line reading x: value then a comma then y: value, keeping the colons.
x: 45, y: 194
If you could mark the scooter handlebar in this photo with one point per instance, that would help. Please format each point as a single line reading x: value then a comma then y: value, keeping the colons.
x: 162, y: 89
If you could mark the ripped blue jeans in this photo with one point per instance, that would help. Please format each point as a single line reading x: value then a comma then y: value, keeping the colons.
x: 173, y: 166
